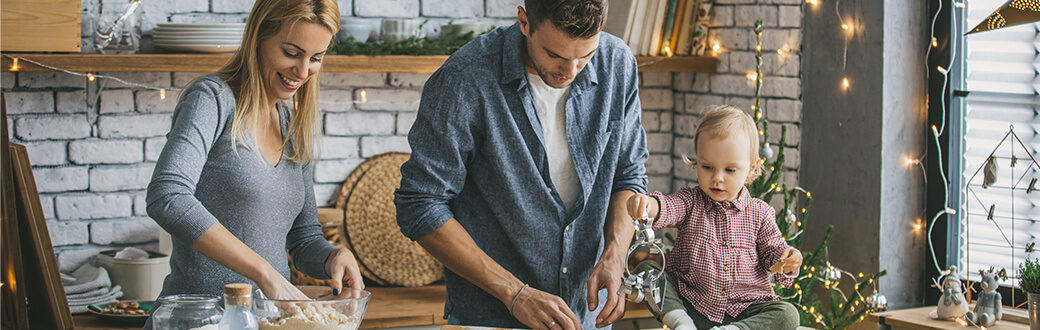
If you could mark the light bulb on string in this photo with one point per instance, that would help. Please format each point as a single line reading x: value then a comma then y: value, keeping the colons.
x: 780, y: 51
x: 90, y: 76
x: 845, y: 83
x: 14, y: 64
x: 361, y: 96
x: 162, y: 93
x: 715, y: 48
x: 813, y: 2
x: 752, y: 76
x: 942, y: 70
x: 935, y: 42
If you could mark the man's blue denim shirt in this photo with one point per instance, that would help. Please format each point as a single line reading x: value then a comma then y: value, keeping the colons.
x: 478, y: 156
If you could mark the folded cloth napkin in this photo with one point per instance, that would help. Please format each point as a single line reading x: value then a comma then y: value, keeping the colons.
x: 102, y: 298
x: 92, y: 286
x: 88, y: 278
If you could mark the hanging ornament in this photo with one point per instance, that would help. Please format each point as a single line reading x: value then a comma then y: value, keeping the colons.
x: 1013, y: 12
x: 989, y: 172
x: 766, y: 152
x: 877, y: 302
x: 791, y: 218
x: 831, y: 276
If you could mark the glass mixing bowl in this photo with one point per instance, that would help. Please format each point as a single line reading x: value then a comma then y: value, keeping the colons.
x: 326, y: 311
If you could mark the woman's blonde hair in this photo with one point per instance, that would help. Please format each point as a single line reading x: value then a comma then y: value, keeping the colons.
x: 245, y: 76
x: 722, y: 122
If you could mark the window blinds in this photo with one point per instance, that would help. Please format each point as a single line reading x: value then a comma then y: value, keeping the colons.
x: 1001, y: 73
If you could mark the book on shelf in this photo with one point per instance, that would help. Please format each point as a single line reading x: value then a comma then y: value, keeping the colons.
x: 673, y: 42
x: 648, y: 27
x: 667, y: 27
x: 655, y: 38
x: 619, y: 18
x: 700, y: 34
x: 635, y: 30
x: 683, y: 41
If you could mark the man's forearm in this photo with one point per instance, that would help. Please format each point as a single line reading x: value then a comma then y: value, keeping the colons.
x: 455, y: 248
x: 618, y: 229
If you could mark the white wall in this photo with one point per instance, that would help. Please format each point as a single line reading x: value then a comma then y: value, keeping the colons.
x: 94, y: 144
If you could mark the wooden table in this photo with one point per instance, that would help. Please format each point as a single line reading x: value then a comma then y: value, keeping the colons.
x: 389, y: 307
x: 917, y: 318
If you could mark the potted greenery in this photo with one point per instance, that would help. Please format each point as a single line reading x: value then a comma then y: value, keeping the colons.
x: 1029, y: 281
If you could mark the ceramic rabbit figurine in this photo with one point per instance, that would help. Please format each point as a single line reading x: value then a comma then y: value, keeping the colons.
x: 951, y: 303
x: 988, y: 308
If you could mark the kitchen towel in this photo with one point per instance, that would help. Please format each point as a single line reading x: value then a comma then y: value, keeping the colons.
x: 92, y: 286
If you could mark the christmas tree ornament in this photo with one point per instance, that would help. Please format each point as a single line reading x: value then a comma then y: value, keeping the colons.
x: 831, y: 276
x: 877, y: 302
x: 791, y: 218
x: 766, y: 152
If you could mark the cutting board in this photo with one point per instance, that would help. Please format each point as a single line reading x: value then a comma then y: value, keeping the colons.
x: 40, y: 25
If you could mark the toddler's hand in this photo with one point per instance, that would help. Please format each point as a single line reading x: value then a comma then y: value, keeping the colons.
x: 638, y: 205
x: 791, y: 260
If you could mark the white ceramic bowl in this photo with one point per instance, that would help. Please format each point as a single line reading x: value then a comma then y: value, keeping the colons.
x: 353, y: 27
x: 395, y: 30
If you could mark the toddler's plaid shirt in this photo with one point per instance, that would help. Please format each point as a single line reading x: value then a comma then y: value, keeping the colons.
x: 723, y: 250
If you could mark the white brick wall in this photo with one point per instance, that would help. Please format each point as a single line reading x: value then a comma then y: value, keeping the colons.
x: 54, y: 127
x: 80, y: 206
x: 93, y: 149
x: 30, y: 102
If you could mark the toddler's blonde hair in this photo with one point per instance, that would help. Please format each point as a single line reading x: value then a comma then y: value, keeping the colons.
x: 722, y: 122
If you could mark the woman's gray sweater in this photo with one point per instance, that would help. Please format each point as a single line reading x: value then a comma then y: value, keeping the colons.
x: 200, y: 180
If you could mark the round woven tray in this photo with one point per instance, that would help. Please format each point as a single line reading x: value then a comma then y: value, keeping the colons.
x: 341, y: 204
x: 372, y: 232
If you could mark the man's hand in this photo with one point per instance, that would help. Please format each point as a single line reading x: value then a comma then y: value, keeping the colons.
x: 606, y: 275
x: 540, y: 310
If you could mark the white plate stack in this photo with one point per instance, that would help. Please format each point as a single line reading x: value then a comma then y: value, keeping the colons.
x: 199, y: 37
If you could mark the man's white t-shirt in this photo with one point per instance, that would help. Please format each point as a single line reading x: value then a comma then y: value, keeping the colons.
x: 551, y: 103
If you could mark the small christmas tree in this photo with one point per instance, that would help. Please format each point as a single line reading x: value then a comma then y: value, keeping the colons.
x: 818, y: 276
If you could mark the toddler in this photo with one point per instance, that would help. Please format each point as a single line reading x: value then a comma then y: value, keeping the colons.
x: 728, y: 245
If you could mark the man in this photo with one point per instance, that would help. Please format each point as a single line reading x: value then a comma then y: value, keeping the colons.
x: 526, y: 145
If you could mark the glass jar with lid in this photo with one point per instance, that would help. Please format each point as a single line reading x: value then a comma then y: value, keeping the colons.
x: 187, y: 312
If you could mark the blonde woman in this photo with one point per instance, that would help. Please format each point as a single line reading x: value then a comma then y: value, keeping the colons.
x: 233, y: 184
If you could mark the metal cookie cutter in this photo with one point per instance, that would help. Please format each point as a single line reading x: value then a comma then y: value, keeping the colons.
x: 647, y: 283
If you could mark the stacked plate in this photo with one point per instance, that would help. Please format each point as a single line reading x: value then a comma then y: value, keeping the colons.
x: 199, y: 37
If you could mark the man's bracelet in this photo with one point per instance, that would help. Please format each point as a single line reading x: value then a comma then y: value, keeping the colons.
x: 515, y: 297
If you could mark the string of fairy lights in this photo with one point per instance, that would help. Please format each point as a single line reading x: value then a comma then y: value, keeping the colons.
x: 847, y: 25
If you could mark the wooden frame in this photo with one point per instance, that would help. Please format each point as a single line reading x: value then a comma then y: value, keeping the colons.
x: 48, y: 305
x: 15, y: 315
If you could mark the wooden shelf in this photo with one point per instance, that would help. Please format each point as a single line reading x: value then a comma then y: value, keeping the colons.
x: 332, y: 63
x: 917, y: 319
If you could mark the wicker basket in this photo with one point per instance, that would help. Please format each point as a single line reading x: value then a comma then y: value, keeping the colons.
x: 369, y: 228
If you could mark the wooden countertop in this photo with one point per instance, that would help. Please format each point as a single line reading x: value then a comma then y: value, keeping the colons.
x: 389, y: 307
x: 917, y: 318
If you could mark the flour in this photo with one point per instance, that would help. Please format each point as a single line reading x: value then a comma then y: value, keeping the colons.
x: 312, y: 319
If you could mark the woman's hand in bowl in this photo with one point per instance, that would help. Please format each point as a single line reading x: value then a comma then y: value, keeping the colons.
x: 277, y: 287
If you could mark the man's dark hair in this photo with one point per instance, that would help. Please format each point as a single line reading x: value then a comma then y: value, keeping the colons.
x: 578, y: 18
